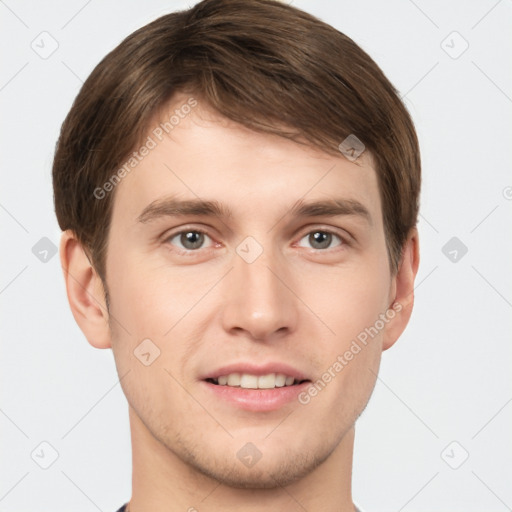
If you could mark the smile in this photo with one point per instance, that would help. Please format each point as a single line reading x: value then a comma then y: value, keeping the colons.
x: 249, y: 381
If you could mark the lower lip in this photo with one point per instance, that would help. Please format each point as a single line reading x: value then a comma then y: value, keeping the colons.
x: 257, y: 400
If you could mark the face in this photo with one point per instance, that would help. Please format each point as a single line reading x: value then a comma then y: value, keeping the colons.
x: 239, y: 286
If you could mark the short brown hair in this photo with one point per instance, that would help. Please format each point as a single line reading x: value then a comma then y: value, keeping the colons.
x: 262, y: 63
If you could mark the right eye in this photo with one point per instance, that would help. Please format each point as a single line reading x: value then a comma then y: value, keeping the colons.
x: 188, y: 240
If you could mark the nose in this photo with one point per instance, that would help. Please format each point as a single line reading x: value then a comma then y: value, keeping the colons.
x: 260, y: 303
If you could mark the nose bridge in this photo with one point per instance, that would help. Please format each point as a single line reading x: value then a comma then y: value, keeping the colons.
x: 258, y: 302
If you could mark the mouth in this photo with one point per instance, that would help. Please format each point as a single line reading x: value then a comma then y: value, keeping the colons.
x: 255, y: 388
x: 251, y: 381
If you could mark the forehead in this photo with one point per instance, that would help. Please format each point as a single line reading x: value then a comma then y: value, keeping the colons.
x: 194, y: 153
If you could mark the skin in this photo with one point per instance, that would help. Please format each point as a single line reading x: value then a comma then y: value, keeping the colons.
x: 297, y: 303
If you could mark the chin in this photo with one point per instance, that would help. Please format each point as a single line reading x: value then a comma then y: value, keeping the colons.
x: 251, y: 478
x: 265, y: 474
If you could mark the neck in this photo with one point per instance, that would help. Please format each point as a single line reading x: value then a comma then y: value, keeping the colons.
x: 162, y: 482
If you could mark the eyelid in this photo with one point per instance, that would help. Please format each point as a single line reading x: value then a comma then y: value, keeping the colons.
x: 170, y: 234
x: 345, y: 236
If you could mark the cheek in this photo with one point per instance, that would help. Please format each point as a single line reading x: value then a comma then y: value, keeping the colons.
x: 146, y: 305
x: 348, y: 300
x: 351, y: 304
x: 149, y: 301
x: 150, y: 298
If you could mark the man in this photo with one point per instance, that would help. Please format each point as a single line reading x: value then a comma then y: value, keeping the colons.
x: 238, y: 187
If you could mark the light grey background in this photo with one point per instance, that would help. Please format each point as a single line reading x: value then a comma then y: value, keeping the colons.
x: 447, y: 379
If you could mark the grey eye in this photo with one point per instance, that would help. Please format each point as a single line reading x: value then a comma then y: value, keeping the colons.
x: 189, y: 240
x: 321, y: 239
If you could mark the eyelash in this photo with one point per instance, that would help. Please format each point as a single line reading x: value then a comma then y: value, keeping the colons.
x: 344, y: 242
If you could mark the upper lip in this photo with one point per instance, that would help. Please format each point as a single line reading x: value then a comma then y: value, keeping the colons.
x: 256, y: 369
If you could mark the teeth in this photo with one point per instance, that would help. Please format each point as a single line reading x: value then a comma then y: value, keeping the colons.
x: 267, y: 381
x: 248, y: 381
x: 233, y: 379
x: 280, y: 380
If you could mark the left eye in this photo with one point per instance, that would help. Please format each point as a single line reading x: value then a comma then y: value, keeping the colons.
x: 189, y: 240
x: 321, y: 239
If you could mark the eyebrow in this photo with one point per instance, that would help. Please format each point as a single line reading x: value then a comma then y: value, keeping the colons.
x: 172, y: 207
x: 332, y: 208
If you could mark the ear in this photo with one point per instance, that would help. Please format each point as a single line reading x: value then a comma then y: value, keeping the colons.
x: 402, y: 290
x: 85, y: 292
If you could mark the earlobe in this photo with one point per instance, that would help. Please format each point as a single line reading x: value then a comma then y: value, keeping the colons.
x: 403, y: 286
x: 85, y: 292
